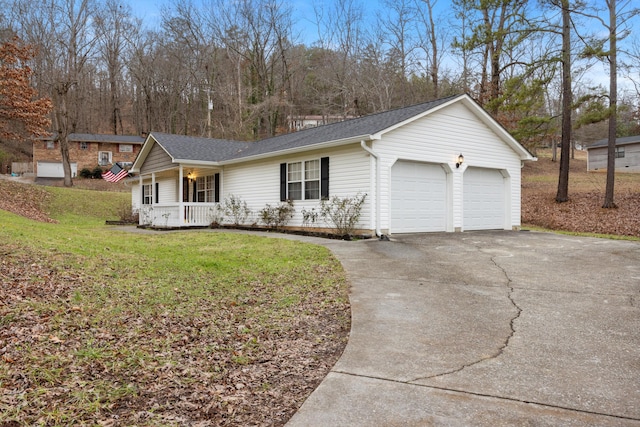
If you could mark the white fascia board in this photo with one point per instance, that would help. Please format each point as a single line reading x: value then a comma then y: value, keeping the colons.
x: 296, y: 150
x: 194, y: 162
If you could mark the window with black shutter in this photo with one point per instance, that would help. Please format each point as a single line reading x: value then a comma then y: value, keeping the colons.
x: 304, y: 180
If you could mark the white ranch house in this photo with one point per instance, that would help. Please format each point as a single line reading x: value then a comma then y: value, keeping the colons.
x: 407, y: 161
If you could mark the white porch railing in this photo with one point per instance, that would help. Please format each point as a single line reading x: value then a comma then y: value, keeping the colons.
x: 169, y: 215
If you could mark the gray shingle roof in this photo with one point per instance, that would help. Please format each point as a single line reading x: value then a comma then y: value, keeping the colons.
x: 99, y: 137
x: 367, y: 125
x: 203, y: 149
x: 619, y: 141
x: 217, y: 150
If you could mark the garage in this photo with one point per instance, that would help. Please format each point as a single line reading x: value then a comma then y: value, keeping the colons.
x: 484, y: 202
x: 54, y: 170
x: 418, y: 197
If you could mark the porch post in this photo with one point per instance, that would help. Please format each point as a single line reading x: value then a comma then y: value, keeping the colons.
x: 180, y: 196
x: 154, y: 196
x: 141, y: 201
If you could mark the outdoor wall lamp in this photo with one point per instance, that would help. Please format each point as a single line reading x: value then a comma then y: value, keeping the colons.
x: 460, y: 160
x: 191, y: 176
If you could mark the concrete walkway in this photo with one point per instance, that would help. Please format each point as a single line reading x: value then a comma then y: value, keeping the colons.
x: 486, y: 329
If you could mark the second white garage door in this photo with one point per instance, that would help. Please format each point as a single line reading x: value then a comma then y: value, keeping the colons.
x: 418, y: 197
x: 483, y: 199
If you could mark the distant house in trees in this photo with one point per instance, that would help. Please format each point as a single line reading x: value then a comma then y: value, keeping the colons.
x: 627, y: 155
x: 297, y: 123
x: 85, y: 151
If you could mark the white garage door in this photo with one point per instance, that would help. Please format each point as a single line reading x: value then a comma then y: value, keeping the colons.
x: 418, y: 197
x: 484, y: 199
x: 54, y: 170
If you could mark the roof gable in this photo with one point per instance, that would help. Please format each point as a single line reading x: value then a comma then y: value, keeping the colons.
x: 189, y: 149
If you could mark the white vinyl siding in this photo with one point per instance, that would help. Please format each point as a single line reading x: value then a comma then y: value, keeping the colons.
x: 257, y: 182
x: 439, y: 138
x: 136, y: 198
x: 167, y: 191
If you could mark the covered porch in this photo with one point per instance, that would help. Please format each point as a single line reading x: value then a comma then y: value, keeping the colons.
x: 182, y: 196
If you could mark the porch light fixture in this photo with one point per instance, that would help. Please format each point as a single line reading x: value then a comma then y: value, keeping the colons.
x: 460, y: 160
x: 191, y: 176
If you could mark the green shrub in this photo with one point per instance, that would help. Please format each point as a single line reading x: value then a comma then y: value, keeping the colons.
x: 343, y: 213
x: 236, y: 209
x: 125, y: 212
x: 277, y: 216
x: 216, y: 216
x: 86, y: 173
x: 97, y: 172
x: 309, y: 217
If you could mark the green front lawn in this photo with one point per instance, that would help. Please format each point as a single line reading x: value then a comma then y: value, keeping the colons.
x: 101, y: 327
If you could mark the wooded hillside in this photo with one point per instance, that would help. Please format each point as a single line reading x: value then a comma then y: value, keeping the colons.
x: 108, y: 70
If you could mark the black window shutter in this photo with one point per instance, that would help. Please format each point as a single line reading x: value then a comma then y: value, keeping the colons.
x: 185, y: 189
x: 324, y: 178
x: 216, y: 188
x: 283, y: 182
x: 157, y: 191
x: 143, y: 194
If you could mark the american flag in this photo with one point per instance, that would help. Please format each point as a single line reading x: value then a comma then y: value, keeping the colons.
x: 115, y: 174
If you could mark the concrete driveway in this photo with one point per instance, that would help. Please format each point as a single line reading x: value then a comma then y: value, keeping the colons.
x: 486, y: 329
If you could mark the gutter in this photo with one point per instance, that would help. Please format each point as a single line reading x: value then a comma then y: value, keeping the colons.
x: 375, y: 155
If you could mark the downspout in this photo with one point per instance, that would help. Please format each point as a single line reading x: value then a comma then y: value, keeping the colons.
x: 366, y: 148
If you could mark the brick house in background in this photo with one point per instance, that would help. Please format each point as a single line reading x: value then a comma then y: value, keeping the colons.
x: 85, y: 151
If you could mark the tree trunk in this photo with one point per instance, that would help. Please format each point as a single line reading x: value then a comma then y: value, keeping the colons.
x: 62, y: 128
x: 565, y: 144
x: 435, y: 71
x: 613, y: 104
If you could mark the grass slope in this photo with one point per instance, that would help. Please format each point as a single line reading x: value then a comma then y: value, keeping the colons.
x: 99, y: 327
x: 583, y: 213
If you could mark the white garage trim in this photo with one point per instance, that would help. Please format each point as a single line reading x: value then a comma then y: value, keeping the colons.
x: 54, y: 170
x: 484, y: 198
x: 419, y: 197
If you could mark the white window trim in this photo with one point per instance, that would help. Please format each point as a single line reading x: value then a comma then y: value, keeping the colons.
x: 147, y: 198
x: 303, y: 179
x: 125, y: 148
x: 207, y: 189
x: 100, y: 153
